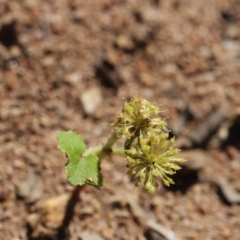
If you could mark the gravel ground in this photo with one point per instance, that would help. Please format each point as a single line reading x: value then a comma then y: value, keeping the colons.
x: 71, y: 64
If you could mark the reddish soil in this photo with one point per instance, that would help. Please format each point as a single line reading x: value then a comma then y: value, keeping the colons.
x: 182, y: 55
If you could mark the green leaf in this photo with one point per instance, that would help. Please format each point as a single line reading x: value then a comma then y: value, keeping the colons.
x: 80, y: 170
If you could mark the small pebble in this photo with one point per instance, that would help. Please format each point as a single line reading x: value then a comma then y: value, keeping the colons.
x: 90, y: 100
x: 31, y: 188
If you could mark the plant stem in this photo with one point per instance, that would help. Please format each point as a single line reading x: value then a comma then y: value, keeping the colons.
x: 106, y: 149
x: 118, y: 151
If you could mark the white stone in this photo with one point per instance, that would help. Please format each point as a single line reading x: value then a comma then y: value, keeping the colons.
x: 90, y: 100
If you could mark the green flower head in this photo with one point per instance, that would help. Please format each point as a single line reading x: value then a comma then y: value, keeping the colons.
x: 153, y: 157
x: 139, y: 116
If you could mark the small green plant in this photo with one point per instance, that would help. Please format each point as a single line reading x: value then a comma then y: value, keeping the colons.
x: 150, y: 153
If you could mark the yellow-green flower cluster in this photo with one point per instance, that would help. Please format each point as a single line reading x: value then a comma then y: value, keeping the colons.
x: 153, y: 157
x: 139, y: 116
x: 150, y: 152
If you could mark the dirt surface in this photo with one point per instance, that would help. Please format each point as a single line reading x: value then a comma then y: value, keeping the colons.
x: 71, y: 65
